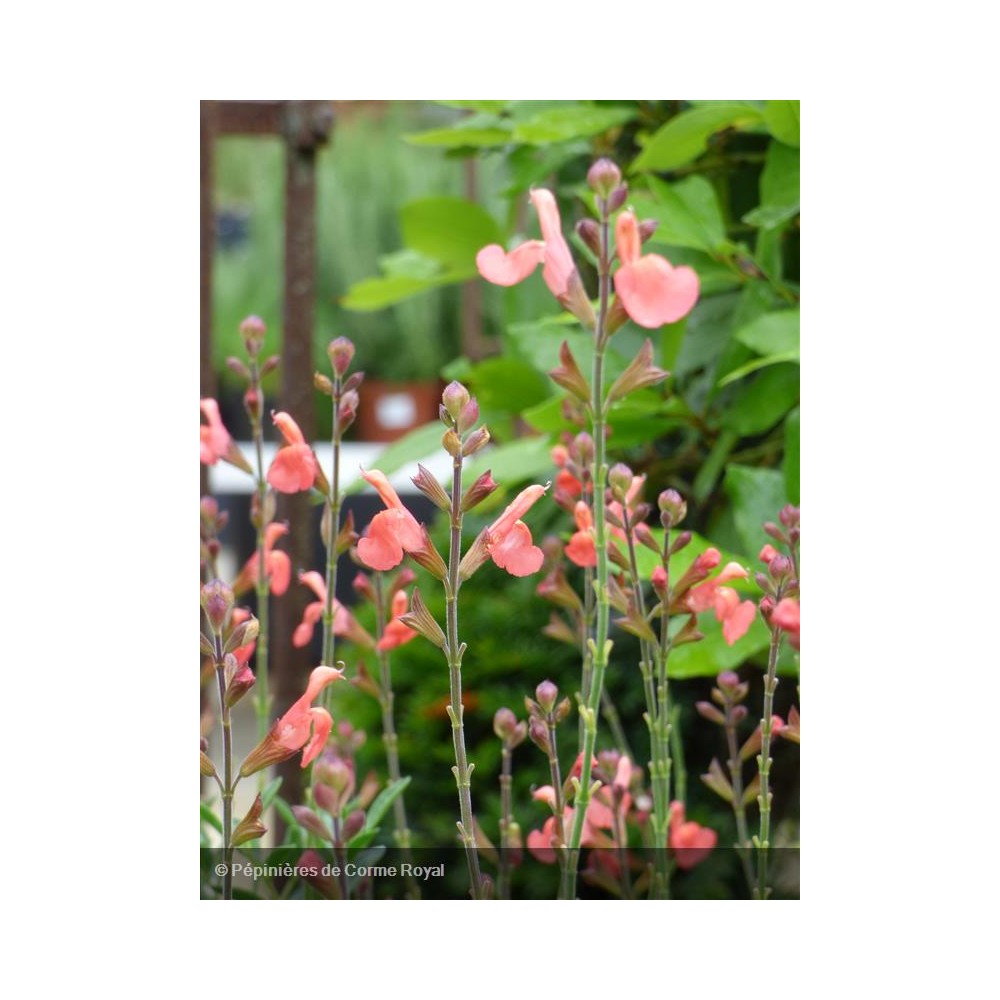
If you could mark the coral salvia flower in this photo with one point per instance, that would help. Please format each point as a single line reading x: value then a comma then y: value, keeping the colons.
x: 508, y: 539
x: 543, y: 843
x: 650, y: 288
x: 294, y: 467
x: 691, y: 842
x: 344, y: 623
x: 302, y: 727
x: 216, y: 441
x: 786, y: 616
x: 581, y: 549
x: 552, y: 251
x: 392, y: 532
x: 278, y: 565
x: 736, y: 617
x: 396, y: 633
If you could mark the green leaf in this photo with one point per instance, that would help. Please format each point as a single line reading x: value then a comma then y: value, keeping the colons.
x: 792, y: 456
x: 209, y: 817
x: 451, y: 230
x: 779, y: 188
x: 713, y: 654
x: 270, y: 791
x: 757, y: 495
x: 507, y: 384
x: 751, y: 366
x: 412, y: 447
x: 455, y: 138
x: 764, y: 401
x: 514, y: 462
x: 380, y: 806
x: 488, y: 106
x: 561, y: 124
x: 688, y: 213
x: 378, y: 293
x: 685, y: 137
x: 782, y: 121
x: 772, y: 333
x: 708, y: 474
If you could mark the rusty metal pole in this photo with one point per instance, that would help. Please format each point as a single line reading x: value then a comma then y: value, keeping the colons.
x: 306, y: 127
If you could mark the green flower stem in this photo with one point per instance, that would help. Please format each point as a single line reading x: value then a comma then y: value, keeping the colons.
x: 601, y: 645
x: 506, y: 818
x: 341, y: 855
x: 389, y: 738
x: 735, y: 766
x: 333, y: 511
x: 556, y: 778
x: 262, y: 699
x: 586, y: 629
x: 227, y: 774
x: 657, y: 710
x: 762, y: 842
x: 454, y: 651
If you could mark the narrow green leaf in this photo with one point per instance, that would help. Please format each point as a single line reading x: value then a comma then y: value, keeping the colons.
x: 455, y: 138
x: 772, y: 333
x: 751, y: 366
x: 792, y: 456
x: 762, y: 402
x: 708, y: 474
x: 685, y: 137
x: 559, y: 125
x: 487, y: 106
x: 779, y: 188
x: 782, y: 121
x: 209, y: 817
x: 373, y: 294
x: 383, y: 800
x: 270, y: 791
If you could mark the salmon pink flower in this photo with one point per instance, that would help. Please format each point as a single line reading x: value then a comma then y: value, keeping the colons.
x: 344, y: 623
x: 691, y: 842
x: 278, y: 565
x: 786, y: 616
x: 552, y: 251
x: 736, y: 617
x: 652, y: 290
x: 216, y: 441
x: 294, y: 467
x: 540, y: 842
x: 396, y: 633
x: 302, y: 727
x: 581, y: 549
x: 392, y: 532
x: 508, y: 539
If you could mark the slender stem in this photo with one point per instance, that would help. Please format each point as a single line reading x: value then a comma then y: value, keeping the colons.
x: 338, y: 850
x: 333, y: 511
x: 586, y: 630
x: 456, y: 712
x: 601, y: 646
x: 389, y: 739
x: 735, y: 766
x: 506, y: 818
x: 262, y: 699
x: 227, y: 775
x: 764, y: 764
x: 556, y: 778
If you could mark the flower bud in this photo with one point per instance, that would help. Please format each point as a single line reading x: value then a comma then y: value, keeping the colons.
x: 620, y: 480
x: 673, y: 508
x: 604, y: 176
x: 477, y: 440
x: 207, y: 767
x: 504, y: 724
x: 217, y: 600
x: 322, y: 384
x: 362, y: 585
x: 250, y: 827
x: 341, y: 354
x: 252, y: 330
x: 708, y: 711
x: 422, y: 621
x: 789, y: 516
x: 242, y: 635
x: 238, y: 368
x: 680, y: 542
x: 308, y: 820
x: 454, y: 399
x: 469, y: 416
x: 646, y: 229
x: 241, y: 682
x: 347, y: 410
x: 779, y: 568
x: 770, y: 528
x: 271, y: 365
x: 431, y: 488
x: 617, y: 198
x: 659, y: 581
x: 562, y: 710
x: 452, y: 443
x: 547, y: 694
x: 538, y: 733
x: 354, y: 824
x: 479, y: 491
x: 590, y: 233
x: 569, y: 376
x: 253, y: 403
x: 354, y: 381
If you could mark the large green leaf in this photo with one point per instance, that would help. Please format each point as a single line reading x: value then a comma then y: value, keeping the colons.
x: 757, y: 496
x: 373, y: 294
x: 507, y: 384
x: 450, y: 230
x: 688, y: 213
x: 685, y: 137
x: 779, y: 188
x: 514, y: 462
x: 560, y: 124
x: 792, y: 456
x: 455, y: 138
x: 764, y: 401
x: 713, y: 654
x: 782, y: 121
x: 772, y: 333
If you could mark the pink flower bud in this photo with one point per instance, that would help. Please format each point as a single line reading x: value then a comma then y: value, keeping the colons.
x: 341, y: 353
x: 603, y: 177
x: 547, y: 694
x: 504, y: 724
x: 454, y: 399
x: 590, y: 233
x: 673, y: 508
x: 217, y: 600
x: 252, y: 330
